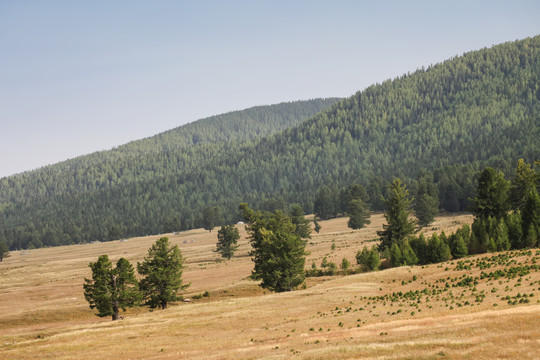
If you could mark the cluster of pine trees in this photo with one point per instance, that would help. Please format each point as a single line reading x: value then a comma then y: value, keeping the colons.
x: 507, y: 216
x: 113, y: 288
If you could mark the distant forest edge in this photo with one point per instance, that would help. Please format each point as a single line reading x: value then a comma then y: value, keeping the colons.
x: 444, y: 123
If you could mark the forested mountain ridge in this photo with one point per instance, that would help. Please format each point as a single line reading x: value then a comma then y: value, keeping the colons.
x: 190, y: 143
x: 450, y: 119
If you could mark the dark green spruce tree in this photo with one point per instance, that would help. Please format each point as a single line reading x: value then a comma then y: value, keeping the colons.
x: 316, y: 226
x: 211, y: 217
x: 399, y: 227
x: 4, y: 250
x: 531, y: 219
x: 301, y: 224
x: 111, y: 289
x: 525, y: 180
x: 369, y: 260
x: 325, y: 203
x: 358, y: 214
x: 228, y: 237
x: 492, y: 195
x: 426, y: 206
x: 278, y: 252
x: 162, y: 274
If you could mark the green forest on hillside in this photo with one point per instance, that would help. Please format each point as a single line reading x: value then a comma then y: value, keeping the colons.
x: 445, y: 122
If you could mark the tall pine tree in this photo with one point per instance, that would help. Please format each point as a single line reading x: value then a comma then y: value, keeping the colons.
x: 162, y: 271
x: 398, y: 226
x: 278, y: 252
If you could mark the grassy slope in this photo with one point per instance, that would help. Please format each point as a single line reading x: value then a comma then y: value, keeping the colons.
x: 43, y: 312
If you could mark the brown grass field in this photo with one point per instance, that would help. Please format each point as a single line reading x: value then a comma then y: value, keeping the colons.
x: 379, y: 315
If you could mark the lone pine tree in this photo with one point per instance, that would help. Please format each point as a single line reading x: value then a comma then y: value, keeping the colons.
x: 302, y: 225
x: 227, y: 241
x: 4, y: 250
x: 358, y: 214
x: 111, y: 289
x: 162, y: 271
x: 398, y: 226
x: 278, y: 252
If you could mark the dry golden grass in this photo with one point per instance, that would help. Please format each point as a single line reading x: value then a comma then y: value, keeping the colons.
x: 43, y: 313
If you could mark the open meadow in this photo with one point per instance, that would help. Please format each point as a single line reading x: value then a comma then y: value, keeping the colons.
x: 482, y: 307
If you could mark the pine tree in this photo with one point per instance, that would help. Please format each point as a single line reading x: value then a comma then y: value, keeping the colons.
x: 301, y: 224
x: 515, y: 230
x: 531, y: 219
x: 531, y: 239
x: 325, y: 203
x: 4, y: 250
x: 316, y: 225
x: 407, y: 254
x: 353, y: 192
x: 501, y: 236
x: 399, y: 226
x: 438, y: 250
x: 228, y: 237
x: 396, y: 259
x: 420, y: 248
x: 374, y: 259
x: 492, y: 195
x: 278, y: 253
x: 358, y: 214
x: 525, y: 180
x: 111, y: 289
x: 492, y: 245
x: 427, y: 202
x: 459, y: 247
x: 362, y: 257
x: 474, y: 245
x: 162, y: 271
x: 345, y: 265
x: 211, y: 217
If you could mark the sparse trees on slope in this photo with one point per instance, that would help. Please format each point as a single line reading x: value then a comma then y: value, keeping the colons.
x: 111, y: 289
x: 227, y: 239
x: 278, y: 252
x: 162, y: 271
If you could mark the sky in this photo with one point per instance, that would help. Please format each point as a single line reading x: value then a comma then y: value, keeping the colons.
x: 82, y: 76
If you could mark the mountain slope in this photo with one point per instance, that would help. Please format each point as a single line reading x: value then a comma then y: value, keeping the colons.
x: 452, y: 118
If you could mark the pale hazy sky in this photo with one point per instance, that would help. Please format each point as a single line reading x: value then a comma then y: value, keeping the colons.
x: 82, y: 76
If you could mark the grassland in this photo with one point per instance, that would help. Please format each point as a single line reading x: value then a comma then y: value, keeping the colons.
x: 485, y: 307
